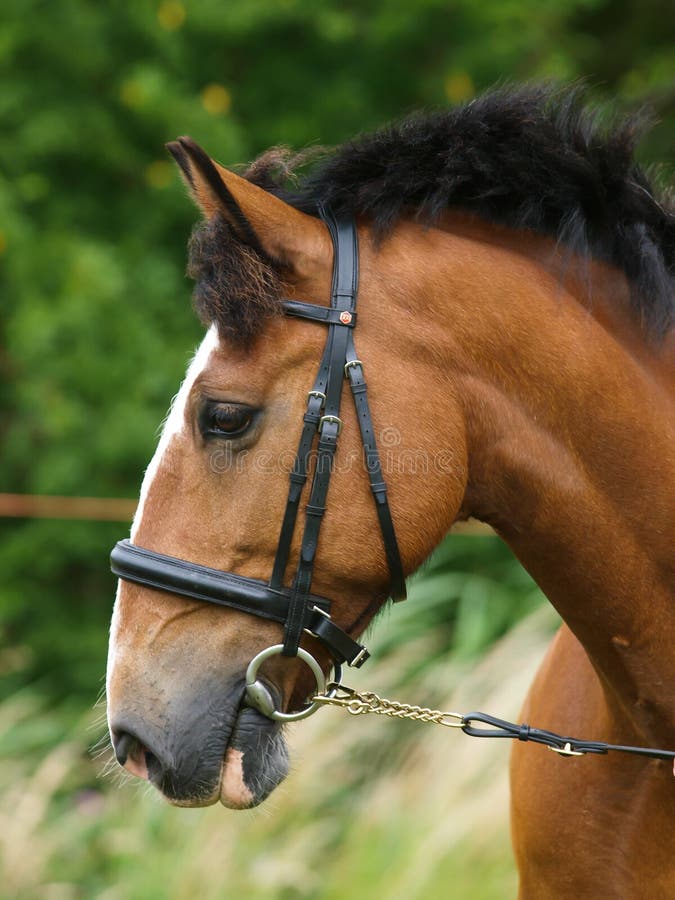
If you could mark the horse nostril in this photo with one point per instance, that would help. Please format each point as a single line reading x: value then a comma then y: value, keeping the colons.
x: 131, y: 754
x: 122, y: 745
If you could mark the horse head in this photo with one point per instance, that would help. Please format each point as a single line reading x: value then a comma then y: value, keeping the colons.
x: 215, y: 491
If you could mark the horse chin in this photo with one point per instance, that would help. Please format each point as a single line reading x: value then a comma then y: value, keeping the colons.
x: 256, y: 761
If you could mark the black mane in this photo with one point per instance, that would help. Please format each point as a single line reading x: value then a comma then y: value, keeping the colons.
x: 529, y: 158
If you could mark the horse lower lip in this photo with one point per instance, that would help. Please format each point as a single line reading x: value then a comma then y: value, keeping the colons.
x: 255, y: 761
x: 234, y: 792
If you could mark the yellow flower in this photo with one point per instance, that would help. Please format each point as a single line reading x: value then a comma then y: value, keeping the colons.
x: 459, y: 86
x: 171, y: 15
x: 216, y: 99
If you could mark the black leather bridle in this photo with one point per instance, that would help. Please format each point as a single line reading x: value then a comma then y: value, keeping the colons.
x: 295, y: 607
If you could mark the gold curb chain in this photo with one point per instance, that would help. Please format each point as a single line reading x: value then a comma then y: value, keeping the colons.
x: 359, y: 703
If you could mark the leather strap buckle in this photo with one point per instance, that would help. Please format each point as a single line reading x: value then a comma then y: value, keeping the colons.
x: 334, y: 419
x: 319, y: 394
x: 352, y: 362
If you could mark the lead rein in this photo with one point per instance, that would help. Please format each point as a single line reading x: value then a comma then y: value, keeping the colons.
x: 363, y: 702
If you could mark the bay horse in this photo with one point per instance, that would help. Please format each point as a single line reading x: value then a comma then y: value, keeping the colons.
x: 515, y: 304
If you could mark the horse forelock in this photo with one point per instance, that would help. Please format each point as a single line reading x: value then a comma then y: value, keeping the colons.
x: 235, y: 288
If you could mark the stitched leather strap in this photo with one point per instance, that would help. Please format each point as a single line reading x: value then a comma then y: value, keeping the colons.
x: 343, y: 303
x: 298, y: 476
x: 187, y: 579
x: 326, y: 315
x: 566, y: 746
x: 357, y: 382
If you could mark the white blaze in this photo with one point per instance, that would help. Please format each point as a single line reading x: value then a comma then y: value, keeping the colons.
x: 173, y: 425
x: 175, y: 421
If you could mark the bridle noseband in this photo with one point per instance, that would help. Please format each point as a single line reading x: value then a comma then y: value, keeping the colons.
x: 295, y: 607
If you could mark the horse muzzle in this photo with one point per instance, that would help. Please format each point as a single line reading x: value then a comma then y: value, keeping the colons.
x: 204, y: 748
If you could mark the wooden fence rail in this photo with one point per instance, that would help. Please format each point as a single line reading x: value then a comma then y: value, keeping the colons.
x: 98, y: 509
x: 117, y: 509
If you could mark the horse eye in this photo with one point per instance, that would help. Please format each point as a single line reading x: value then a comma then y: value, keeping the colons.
x: 225, y: 419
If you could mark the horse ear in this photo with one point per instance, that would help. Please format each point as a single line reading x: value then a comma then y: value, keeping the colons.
x: 274, y: 229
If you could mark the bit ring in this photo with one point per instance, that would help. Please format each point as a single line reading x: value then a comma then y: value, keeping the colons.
x: 259, y: 697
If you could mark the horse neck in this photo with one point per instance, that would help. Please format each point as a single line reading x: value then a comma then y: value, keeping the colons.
x: 570, y: 435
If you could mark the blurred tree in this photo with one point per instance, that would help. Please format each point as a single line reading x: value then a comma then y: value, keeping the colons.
x: 95, y: 325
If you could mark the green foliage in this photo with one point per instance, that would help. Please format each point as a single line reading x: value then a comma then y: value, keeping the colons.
x: 469, y: 593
